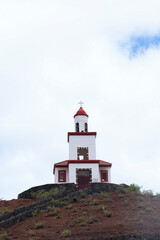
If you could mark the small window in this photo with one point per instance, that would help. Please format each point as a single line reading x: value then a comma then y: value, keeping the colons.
x: 77, y: 127
x: 82, y: 153
x: 104, y: 176
x: 86, y: 127
x: 62, y: 176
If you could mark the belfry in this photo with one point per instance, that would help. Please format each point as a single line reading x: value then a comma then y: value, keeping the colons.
x: 82, y: 167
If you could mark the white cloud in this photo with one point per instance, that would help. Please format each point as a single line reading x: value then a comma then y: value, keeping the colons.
x: 55, y: 53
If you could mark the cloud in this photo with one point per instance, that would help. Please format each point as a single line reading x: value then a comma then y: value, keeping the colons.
x: 55, y: 53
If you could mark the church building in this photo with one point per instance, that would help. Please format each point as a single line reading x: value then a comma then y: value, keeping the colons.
x: 82, y: 167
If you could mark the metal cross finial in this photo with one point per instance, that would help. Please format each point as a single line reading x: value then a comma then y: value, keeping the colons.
x: 81, y: 103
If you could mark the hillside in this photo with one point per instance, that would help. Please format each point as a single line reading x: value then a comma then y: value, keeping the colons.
x: 116, y: 215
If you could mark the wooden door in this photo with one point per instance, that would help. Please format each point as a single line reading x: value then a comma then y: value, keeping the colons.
x: 84, y: 177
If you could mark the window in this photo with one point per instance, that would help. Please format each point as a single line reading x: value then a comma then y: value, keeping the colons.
x: 62, y: 176
x: 77, y: 127
x: 82, y: 153
x: 86, y: 127
x: 104, y: 175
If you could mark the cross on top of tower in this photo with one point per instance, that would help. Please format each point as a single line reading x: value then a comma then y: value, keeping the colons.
x: 81, y: 103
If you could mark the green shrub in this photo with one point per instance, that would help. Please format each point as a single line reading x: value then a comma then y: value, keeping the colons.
x: 101, y: 207
x: 4, y: 236
x: 58, y: 203
x: 95, y: 202
x: 34, y: 213
x: 82, y: 194
x: 66, y: 233
x: 125, y: 202
x: 107, y: 213
x: 140, y: 213
x: 120, y: 222
x: 43, y: 194
x: 80, y: 219
x: 38, y: 225
x: 82, y: 223
x: 147, y: 193
x: 133, y: 188
x: 4, y: 210
x: 92, y: 218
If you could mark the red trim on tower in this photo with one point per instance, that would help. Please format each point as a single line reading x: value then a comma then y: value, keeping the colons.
x: 81, y: 134
x: 81, y: 112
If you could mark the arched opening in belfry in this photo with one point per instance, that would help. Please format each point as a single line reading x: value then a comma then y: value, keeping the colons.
x: 86, y: 127
x: 77, y: 127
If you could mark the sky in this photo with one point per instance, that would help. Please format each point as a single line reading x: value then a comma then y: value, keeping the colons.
x: 54, y: 54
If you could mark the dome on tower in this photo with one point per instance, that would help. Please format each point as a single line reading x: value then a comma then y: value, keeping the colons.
x: 81, y: 112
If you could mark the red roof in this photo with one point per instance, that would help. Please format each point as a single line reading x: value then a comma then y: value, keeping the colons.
x: 81, y: 112
x: 67, y: 162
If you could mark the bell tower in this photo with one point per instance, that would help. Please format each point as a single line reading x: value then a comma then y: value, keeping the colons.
x: 81, y: 120
x: 81, y: 142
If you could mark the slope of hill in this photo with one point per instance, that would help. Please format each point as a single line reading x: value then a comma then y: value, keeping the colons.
x: 116, y: 215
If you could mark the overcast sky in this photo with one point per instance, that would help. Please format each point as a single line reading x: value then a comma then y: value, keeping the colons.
x: 54, y: 54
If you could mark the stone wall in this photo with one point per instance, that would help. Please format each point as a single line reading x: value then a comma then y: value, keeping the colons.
x: 46, y: 187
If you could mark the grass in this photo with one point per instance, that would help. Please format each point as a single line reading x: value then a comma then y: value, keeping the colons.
x: 66, y: 233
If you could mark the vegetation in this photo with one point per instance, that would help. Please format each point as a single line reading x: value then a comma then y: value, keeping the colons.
x: 34, y: 213
x: 80, y: 219
x: 43, y: 194
x: 38, y: 225
x: 133, y: 188
x: 107, y: 213
x: 66, y: 233
x: 95, y: 202
x: 4, y: 210
x: 92, y: 218
x: 3, y: 236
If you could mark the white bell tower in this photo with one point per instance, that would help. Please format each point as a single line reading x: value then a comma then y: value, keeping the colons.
x: 81, y: 142
x: 81, y: 120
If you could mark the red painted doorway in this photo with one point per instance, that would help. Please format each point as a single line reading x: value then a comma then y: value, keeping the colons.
x: 84, y: 177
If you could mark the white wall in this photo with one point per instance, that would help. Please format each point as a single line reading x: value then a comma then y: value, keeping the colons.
x: 94, y: 167
x: 71, y: 172
x: 82, y: 141
x: 81, y: 119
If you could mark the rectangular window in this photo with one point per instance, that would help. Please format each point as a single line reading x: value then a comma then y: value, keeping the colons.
x: 82, y: 153
x: 104, y: 175
x: 62, y: 176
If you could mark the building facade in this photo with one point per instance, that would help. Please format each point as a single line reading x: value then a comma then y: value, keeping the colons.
x: 82, y: 167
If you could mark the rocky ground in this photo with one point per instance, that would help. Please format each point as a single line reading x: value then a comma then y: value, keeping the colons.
x: 96, y: 216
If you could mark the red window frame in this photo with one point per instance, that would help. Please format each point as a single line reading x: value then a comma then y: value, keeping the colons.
x: 59, y: 172
x: 104, y: 171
